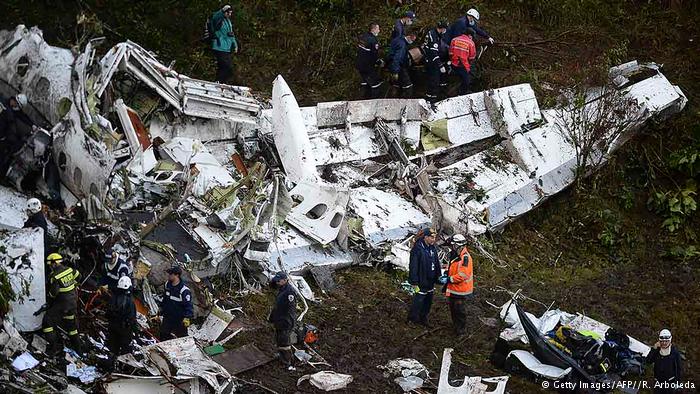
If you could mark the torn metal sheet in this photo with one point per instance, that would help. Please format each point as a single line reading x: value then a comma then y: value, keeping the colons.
x: 298, y: 253
x: 492, y: 188
x: 213, y: 100
x: 319, y: 210
x: 242, y: 359
x: 529, y: 361
x: 470, y: 385
x: 182, y: 357
x: 13, y: 207
x: 291, y: 138
x: 23, y: 259
x: 336, y: 113
x: 324, y: 278
x: 385, y: 215
x: 215, y: 324
x: 197, y: 128
x: 152, y: 385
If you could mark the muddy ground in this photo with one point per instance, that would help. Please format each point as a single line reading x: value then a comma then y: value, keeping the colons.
x: 599, y: 250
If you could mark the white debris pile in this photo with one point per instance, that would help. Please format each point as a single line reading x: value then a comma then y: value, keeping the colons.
x: 194, y: 173
x: 409, y: 373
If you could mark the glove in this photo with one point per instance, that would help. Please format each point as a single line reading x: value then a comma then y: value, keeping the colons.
x: 103, y: 290
x: 43, y: 308
x: 35, y: 128
x: 380, y: 63
x: 443, y: 70
x: 186, y: 322
x: 491, y: 40
x: 416, y: 289
x: 394, y: 77
x: 443, y: 279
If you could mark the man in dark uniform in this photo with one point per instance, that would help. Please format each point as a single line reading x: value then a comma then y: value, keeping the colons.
x: 401, y: 23
x: 435, y: 56
x: 36, y: 218
x: 121, y: 317
x: 62, y: 305
x: 424, y: 272
x: 283, y: 317
x: 399, y: 64
x: 11, y: 138
x: 177, y: 306
x: 368, y: 61
x: 115, y: 268
x: 667, y: 365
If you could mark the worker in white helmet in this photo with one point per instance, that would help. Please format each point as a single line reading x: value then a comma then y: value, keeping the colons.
x: 470, y: 20
x: 667, y: 364
x: 12, y: 138
x: 36, y: 219
x: 121, y: 318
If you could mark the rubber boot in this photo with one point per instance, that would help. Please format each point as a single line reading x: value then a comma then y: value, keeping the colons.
x: 76, y: 344
x: 55, y: 344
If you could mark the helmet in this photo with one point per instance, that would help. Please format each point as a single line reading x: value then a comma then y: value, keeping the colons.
x: 21, y: 100
x: 124, y: 283
x: 665, y: 335
x: 459, y: 239
x: 410, y: 15
x: 33, y: 205
x: 474, y: 13
x: 54, y: 258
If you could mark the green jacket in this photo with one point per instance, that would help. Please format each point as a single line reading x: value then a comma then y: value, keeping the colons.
x: 222, y: 26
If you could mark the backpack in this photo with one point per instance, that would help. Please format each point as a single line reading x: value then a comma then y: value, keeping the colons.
x: 208, y: 33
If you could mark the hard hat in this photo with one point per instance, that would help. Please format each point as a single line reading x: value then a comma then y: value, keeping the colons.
x: 226, y: 8
x: 54, y: 258
x: 124, y: 283
x: 459, y: 239
x: 21, y: 100
x: 33, y: 205
x: 665, y: 335
x: 473, y: 13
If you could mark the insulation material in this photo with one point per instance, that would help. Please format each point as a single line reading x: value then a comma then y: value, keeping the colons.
x: 12, y: 209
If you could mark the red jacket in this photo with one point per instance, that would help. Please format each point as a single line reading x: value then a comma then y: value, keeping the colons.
x: 462, y: 51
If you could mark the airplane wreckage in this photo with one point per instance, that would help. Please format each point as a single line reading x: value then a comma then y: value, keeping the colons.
x: 166, y: 168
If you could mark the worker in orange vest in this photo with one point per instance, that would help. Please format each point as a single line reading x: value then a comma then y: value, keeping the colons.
x: 460, y: 283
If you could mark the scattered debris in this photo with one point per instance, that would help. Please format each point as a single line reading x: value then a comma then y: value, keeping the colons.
x: 327, y: 380
x: 470, y: 385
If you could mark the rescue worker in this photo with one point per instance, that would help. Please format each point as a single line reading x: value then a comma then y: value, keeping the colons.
x: 368, y: 61
x: 399, y: 64
x: 283, y: 317
x: 401, y: 23
x: 462, y: 52
x: 223, y: 43
x: 460, y: 283
x: 62, y: 305
x: 470, y: 20
x: 36, y: 218
x: 115, y: 268
x: 177, y: 306
x: 121, y: 317
x: 423, y: 273
x: 11, y: 137
x: 668, y: 371
x: 436, y: 52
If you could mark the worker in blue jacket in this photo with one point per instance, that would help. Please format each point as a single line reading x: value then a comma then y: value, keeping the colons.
x: 399, y: 63
x: 401, y: 23
x: 223, y: 43
x: 470, y: 20
x: 177, y: 306
x: 115, y: 268
x: 424, y: 273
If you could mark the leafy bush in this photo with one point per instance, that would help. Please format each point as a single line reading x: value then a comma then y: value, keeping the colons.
x: 676, y: 206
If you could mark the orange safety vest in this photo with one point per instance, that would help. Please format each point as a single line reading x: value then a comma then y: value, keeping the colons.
x: 461, y: 279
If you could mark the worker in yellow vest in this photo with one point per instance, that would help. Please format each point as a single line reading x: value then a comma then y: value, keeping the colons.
x: 460, y: 283
x: 62, y: 306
